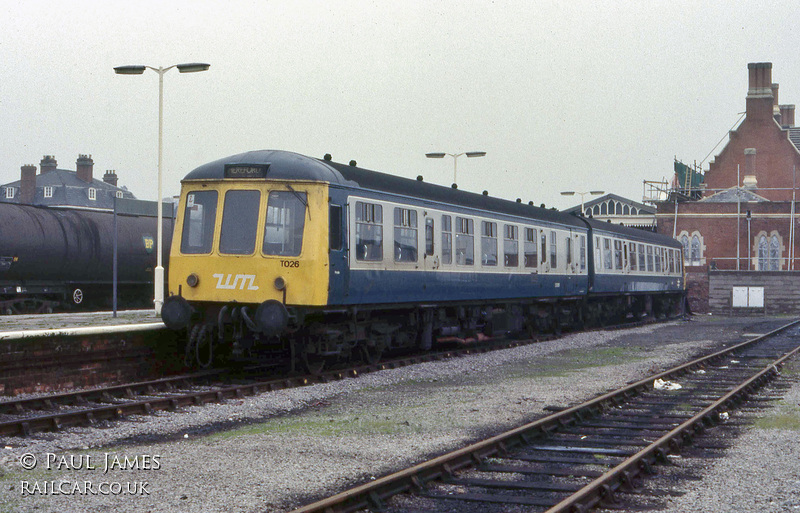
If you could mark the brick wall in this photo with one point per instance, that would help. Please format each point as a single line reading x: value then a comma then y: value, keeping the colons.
x: 781, y: 291
x: 44, y: 364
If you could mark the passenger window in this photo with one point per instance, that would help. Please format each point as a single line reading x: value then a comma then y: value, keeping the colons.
x: 642, y: 266
x: 198, y: 222
x: 429, y: 236
x: 465, y: 241
x: 553, y: 249
x: 658, y: 259
x: 598, y: 260
x: 286, y: 220
x: 335, y: 235
x: 369, y: 231
x: 650, y: 258
x: 489, y: 243
x: 405, y: 235
x: 447, y: 240
x: 606, y: 254
x: 511, y: 246
x: 531, y: 256
x: 569, y: 250
x: 583, y: 252
x: 618, y: 255
x: 544, y: 247
x: 239, y: 222
x: 633, y: 256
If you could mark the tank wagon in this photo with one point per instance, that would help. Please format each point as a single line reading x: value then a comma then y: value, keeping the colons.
x: 327, y: 261
x: 52, y: 258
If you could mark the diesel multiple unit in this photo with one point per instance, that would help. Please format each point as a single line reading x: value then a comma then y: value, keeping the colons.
x: 326, y: 261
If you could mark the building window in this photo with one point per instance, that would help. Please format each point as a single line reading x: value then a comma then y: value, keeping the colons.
x: 119, y: 194
x: 626, y: 210
x: 92, y: 194
x: 10, y: 192
x: 48, y: 192
x: 769, y: 251
x: 693, y: 248
x: 405, y: 235
x: 369, y: 231
x: 596, y: 210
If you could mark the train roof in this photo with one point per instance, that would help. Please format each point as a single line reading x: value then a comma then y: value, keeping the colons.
x: 284, y: 165
x: 632, y: 233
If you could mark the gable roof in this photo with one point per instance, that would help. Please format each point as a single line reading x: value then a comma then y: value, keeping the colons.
x: 601, y: 199
x: 69, y: 190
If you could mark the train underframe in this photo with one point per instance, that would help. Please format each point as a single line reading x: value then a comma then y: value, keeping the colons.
x: 317, y: 338
x: 23, y: 298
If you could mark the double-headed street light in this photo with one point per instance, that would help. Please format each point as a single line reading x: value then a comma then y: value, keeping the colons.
x: 573, y: 193
x: 469, y: 154
x: 138, y: 70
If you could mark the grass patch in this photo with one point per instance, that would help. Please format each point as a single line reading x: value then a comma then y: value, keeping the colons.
x: 788, y: 420
x: 323, y: 426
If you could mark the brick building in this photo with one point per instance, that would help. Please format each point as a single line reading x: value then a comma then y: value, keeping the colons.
x: 53, y: 187
x: 742, y: 229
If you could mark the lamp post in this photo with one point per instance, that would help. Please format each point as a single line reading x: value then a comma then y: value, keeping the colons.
x: 582, y: 194
x: 138, y: 70
x: 469, y: 154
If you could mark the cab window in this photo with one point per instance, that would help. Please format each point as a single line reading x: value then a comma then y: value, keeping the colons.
x: 199, y: 217
x: 286, y: 219
x: 239, y: 222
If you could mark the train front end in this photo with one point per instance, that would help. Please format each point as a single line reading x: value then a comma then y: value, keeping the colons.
x: 249, y: 255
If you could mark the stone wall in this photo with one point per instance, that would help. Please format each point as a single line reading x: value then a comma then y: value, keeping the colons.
x: 781, y: 291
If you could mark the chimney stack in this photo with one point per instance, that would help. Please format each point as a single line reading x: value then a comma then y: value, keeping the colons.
x: 84, y: 170
x: 27, y: 184
x: 110, y: 177
x: 760, y: 100
x: 48, y: 163
x: 787, y: 116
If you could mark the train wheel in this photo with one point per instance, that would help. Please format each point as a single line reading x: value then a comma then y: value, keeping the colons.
x: 372, y: 354
x: 77, y: 296
x: 312, y: 363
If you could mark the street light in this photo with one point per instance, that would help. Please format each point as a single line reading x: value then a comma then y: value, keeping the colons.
x: 469, y: 154
x: 573, y: 193
x: 192, y: 67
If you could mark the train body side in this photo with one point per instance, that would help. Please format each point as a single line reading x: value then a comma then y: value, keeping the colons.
x: 428, y: 278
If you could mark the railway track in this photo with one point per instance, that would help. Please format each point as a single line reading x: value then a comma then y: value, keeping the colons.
x: 587, y: 455
x: 53, y: 412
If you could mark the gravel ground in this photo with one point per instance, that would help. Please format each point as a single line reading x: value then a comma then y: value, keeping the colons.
x: 282, y: 449
x: 75, y: 320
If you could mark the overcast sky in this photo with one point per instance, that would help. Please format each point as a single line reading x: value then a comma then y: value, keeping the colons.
x: 561, y: 95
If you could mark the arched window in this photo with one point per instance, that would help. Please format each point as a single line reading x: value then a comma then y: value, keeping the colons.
x: 618, y: 209
x: 774, y: 254
x: 763, y: 253
x: 685, y: 242
x: 596, y: 210
x: 626, y: 210
x: 603, y: 208
x: 694, y: 251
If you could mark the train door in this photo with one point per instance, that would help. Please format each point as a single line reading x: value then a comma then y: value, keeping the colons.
x: 337, y: 253
x: 431, y: 256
